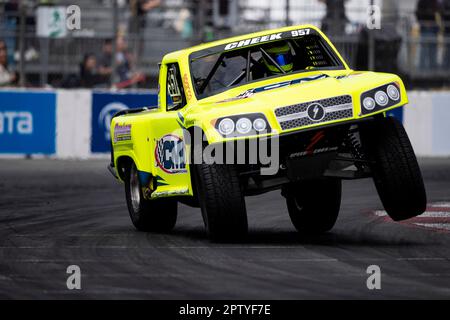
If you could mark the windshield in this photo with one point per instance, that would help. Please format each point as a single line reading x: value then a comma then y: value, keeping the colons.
x: 219, y: 68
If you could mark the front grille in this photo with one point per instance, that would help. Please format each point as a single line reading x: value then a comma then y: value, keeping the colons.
x: 296, y: 116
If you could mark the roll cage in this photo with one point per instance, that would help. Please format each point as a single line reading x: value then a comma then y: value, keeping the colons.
x: 312, y: 51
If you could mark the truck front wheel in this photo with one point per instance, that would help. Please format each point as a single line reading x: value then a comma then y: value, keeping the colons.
x: 221, y: 200
x: 395, y: 170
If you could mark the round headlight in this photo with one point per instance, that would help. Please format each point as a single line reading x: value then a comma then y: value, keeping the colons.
x: 226, y: 126
x: 259, y: 124
x: 243, y: 125
x: 381, y: 98
x: 369, y: 103
x: 393, y: 92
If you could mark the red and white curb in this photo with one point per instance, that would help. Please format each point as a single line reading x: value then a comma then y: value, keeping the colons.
x: 436, y: 217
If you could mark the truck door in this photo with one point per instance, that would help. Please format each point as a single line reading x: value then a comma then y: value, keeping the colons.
x: 173, y: 176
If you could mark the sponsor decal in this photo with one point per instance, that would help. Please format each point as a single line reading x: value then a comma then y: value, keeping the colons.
x: 309, y: 152
x: 12, y: 122
x: 187, y: 87
x: 248, y: 93
x: 27, y: 122
x: 122, y: 132
x: 251, y: 41
x: 180, y: 120
x: 168, y: 193
x: 180, y: 117
x: 267, y: 38
x: 314, y: 141
x: 150, y: 183
x: 300, y: 33
x: 315, y: 112
x: 312, y: 149
x: 170, y: 154
x: 244, y: 95
x: 159, y: 96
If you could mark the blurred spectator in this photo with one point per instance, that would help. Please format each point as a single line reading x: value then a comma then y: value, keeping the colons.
x: 446, y: 22
x: 335, y: 19
x: 428, y: 16
x: 6, y: 77
x: 89, y: 75
x: 124, y: 61
x: 10, y: 25
x: 105, y: 60
x: 137, y: 24
x: 183, y: 24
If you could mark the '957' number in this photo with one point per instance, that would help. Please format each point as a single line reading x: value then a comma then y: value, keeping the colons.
x: 302, y: 32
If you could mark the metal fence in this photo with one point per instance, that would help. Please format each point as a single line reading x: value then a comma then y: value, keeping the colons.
x: 176, y: 24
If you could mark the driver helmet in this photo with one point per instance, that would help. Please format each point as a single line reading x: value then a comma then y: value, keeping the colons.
x: 281, y: 54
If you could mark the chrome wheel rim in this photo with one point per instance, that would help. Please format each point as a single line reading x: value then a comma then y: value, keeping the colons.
x: 134, y: 189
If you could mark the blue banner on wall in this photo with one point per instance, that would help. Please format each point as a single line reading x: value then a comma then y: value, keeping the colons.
x: 27, y: 122
x: 105, y: 105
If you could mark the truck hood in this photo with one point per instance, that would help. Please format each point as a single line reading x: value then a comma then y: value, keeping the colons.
x: 302, y: 89
x: 298, y: 90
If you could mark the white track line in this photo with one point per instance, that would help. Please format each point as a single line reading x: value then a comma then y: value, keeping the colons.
x: 441, y: 205
x: 156, y: 247
x: 380, y: 213
x: 445, y: 226
x: 363, y: 259
x: 426, y: 214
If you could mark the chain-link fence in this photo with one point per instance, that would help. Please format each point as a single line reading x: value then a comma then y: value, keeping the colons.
x: 139, y: 38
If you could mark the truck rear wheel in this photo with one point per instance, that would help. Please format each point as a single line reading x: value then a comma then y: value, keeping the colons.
x: 395, y: 170
x: 313, y: 206
x: 222, y: 201
x: 158, y: 215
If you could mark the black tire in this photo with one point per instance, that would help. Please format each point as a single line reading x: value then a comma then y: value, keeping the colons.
x: 221, y: 201
x: 314, y: 206
x: 159, y: 215
x: 395, y: 170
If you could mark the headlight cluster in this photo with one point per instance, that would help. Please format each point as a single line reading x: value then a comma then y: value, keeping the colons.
x: 246, y: 124
x: 380, y: 98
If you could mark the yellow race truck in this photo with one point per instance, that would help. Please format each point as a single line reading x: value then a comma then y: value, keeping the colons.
x: 277, y: 109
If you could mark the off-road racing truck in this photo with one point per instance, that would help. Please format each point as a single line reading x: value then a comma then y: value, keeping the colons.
x: 287, y: 92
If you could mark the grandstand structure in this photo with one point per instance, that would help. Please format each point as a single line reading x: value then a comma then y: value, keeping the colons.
x: 176, y: 24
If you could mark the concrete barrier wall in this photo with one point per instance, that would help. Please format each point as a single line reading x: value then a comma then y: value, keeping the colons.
x: 62, y: 124
x: 427, y: 121
x: 75, y: 123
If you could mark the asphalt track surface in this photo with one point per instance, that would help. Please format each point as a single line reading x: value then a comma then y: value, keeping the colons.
x: 58, y: 213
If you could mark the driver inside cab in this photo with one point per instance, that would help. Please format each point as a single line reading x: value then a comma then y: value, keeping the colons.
x: 279, y: 57
x: 282, y: 55
x: 279, y: 53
